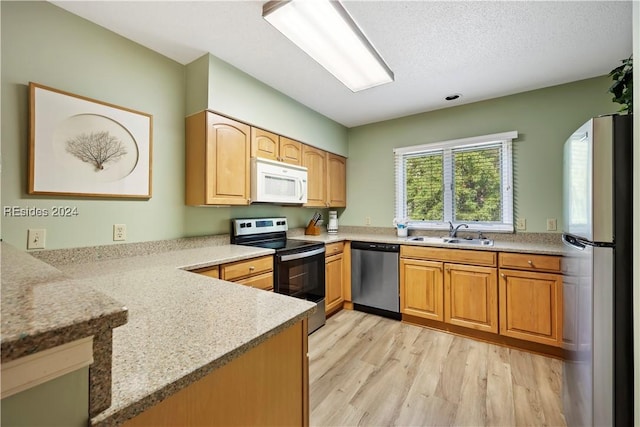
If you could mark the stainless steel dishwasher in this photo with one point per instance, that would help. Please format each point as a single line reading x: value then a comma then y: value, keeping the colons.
x: 374, y: 278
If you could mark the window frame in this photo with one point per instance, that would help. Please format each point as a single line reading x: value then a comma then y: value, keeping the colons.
x: 504, y: 138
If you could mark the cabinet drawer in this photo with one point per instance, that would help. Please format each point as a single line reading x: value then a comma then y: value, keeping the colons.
x: 245, y: 268
x: 208, y: 271
x: 530, y: 262
x: 462, y: 256
x: 333, y: 248
x: 261, y: 281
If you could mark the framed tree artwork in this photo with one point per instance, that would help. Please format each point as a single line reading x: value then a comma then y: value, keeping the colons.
x: 83, y: 147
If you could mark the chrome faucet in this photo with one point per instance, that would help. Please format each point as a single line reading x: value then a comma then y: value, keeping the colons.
x: 453, y: 231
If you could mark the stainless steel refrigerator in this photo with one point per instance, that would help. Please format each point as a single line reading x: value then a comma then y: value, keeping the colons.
x: 598, y: 263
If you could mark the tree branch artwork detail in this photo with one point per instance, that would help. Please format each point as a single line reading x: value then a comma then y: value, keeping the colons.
x: 96, y: 148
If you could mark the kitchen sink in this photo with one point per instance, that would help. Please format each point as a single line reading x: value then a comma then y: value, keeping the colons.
x: 451, y: 240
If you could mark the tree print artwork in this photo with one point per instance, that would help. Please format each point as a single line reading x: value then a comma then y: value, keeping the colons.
x: 96, y: 148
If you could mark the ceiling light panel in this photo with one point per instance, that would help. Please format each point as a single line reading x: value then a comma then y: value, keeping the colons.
x: 326, y: 32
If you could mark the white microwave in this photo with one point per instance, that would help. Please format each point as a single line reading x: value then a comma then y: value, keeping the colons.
x: 277, y: 182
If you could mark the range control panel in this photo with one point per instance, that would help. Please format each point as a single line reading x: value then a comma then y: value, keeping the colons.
x: 247, y: 226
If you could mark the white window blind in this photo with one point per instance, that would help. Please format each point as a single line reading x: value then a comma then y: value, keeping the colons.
x: 467, y: 180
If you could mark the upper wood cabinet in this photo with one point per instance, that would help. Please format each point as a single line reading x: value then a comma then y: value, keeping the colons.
x: 315, y: 161
x: 217, y: 160
x: 272, y: 146
x: 290, y: 151
x: 326, y: 180
x: 336, y: 181
x: 264, y: 144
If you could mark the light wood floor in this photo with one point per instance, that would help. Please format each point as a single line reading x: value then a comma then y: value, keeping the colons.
x: 366, y: 370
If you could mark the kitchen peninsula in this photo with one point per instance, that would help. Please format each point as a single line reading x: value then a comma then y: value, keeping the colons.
x: 183, y: 329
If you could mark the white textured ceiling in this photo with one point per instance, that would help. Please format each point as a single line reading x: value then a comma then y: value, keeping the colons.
x: 480, y: 49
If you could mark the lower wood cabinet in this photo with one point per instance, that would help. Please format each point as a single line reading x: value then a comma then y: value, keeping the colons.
x: 421, y: 289
x: 506, y: 298
x: 255, y: 272
x: 471, y: 297
x: 531, y: 302
x: 334, y: 275
x: 268, y: 385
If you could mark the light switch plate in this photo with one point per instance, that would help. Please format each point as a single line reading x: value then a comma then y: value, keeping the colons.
x: 36, y: 238
x: 552, y: 224
x: 521, y: 224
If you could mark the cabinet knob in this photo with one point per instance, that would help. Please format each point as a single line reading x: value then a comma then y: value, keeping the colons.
x: 503, y: 275
x: 530, y: 263
x: 251, y: 268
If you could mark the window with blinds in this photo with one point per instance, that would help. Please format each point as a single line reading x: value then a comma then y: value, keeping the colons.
x: 461, y: 181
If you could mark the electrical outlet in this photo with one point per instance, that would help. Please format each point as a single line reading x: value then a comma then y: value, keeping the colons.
x: 119, y: 232
x: 367, y: 220
x: 521, y: 224
x: 36, y: 238
x: 552, y: 224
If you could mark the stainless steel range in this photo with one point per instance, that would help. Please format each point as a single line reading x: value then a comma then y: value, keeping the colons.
x: 299, y: 266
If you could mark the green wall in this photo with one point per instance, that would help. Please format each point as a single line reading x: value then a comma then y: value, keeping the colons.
x: 543, y: 118
x: 47, y: 45
x: 60, y: 402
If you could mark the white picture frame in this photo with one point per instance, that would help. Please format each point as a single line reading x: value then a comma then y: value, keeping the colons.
x: 80, y: 146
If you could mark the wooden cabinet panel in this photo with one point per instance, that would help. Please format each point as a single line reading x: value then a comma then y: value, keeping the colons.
x: 261, y: 281
x: 462, y: 256
x: 336, y: 181
x: 209, y: 271
x: 316, y: 163
x: 334, y: 271
x: 247, y: 391
x: 217, y: 160
x: 530, y: 306
x: 290, y: 151
x: 264, y: 144
x: 269, y: 145
x: 333, y: 248
x: 240, y: 269
x: 530, y: 262
x: 421, y: 289
x: 471, y: 297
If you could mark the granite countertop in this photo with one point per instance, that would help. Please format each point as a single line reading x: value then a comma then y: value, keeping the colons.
x: 181, y: 325
x: 549, y: 246
x: 43, y: 308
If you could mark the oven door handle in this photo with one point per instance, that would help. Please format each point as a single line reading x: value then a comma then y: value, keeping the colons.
x: 301, y: 255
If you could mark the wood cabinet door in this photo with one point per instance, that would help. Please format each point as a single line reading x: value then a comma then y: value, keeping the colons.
x: 261, y: 281
x: 227, y: 161
x: 421, y: 289
x: 531, y: 306
x: 336, y: 181
x: 334, y: 267
x: 315, y: 161
x: 290, y: 151
x: 264, y: 144
x: 471, y: 297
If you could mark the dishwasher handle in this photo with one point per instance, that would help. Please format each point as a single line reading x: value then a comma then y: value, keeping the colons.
x: 373, y: 246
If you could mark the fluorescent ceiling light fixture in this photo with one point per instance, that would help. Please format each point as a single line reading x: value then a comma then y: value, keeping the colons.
x: 327, y: 33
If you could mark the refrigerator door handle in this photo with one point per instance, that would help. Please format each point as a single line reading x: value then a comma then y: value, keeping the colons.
x: 573, y: 241
x: 580, y: 243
